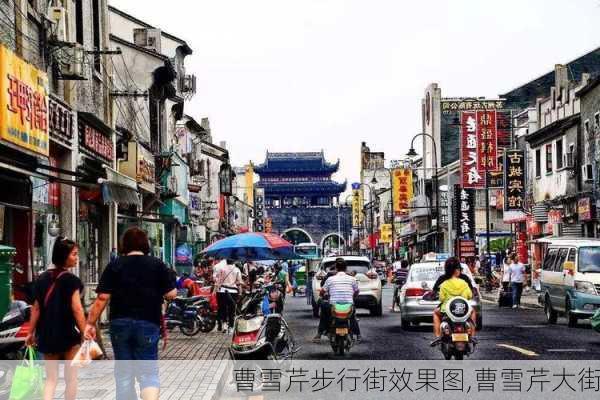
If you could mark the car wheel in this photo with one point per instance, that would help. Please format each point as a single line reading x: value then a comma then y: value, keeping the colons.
x: 377, y: 311
x: 571, y: 318
x: 551, y: 315
x: 405, y: 324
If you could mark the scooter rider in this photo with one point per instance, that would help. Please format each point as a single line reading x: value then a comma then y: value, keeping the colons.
x: 452, y: 283
x: 341, y: 288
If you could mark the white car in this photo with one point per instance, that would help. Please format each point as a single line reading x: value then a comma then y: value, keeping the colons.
x: 421, y: 279
x: 369, y: 284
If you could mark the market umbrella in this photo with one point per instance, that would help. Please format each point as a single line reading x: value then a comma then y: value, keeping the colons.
x: 251, y: 246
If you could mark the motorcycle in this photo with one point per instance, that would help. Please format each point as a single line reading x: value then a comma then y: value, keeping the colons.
x: 260, y: 332
x: 339, y: 332
x: 14, y: 329
x: 184, y: 312
x: 456, y: 327
x: 208, y: 309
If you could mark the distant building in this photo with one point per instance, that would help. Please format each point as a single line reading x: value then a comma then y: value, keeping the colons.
x: 301, y: 198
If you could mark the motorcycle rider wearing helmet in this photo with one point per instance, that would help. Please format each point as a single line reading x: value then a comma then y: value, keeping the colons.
x: 452, y: 283
x: 340, y: 288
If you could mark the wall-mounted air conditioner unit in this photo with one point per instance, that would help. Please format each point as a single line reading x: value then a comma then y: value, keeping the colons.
x: 59, y: 18
x: 147, y: 38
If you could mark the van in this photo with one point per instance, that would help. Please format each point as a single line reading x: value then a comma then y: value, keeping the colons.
x: 570, y: 278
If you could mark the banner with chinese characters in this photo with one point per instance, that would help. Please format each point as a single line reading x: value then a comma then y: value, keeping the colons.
x: 465, y: 212
x: 357, y: 205
x: 402, y: 190
x: 23, y: 103
x: 514, y: 180
x: 487, y: 143
x: 385, y: 236
x: 470, y: 175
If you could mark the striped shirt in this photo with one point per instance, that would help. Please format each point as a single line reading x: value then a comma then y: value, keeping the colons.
x: 341, y: 288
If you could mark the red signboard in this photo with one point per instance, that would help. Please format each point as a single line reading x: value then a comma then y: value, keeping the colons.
x: 470, y: 174
x: 466, y: 249
x: 533, y: 227
x: 487, y: 142
x: 584, y: 209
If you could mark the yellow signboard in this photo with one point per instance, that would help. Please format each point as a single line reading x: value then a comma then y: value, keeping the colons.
x: 23, y: 103
x: 249, y: 177
x: 357, y: 206
x: 402, y: 190
x: 386, y: 233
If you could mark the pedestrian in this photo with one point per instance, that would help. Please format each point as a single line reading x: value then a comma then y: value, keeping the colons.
x: 57, y: 317
x: 136, y: 285
x: 228, y: 280
x: 517, y: 278
x: 506, y: 273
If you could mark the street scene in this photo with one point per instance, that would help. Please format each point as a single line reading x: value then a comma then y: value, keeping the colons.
x: 198, y: 199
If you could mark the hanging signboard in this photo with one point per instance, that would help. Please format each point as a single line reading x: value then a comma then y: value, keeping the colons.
x: 357, y: 205
x: 402, y: 190
x: 584, y: 209
x: 470, y: 176
x: 385, y: 235
x: 487, y: 144
x: 514, y: 179
x: 465, y: 212
x: 23, y: 103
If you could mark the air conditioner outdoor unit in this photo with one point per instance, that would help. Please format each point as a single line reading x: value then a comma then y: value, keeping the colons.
x: 59, y: 18
x: 71, y: 66
x: 147, y: 38
x: 587, y: 172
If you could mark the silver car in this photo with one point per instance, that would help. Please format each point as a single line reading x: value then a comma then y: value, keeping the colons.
x: 421, y: 279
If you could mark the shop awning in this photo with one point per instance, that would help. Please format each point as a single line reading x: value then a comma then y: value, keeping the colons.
x: 119, y: 188
x: 115, y: 193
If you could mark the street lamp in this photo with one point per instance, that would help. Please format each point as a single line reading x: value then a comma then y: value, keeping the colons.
x: 413, y: 153
x: 374, y: 182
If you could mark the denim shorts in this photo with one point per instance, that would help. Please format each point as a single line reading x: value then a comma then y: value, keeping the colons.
x: 135, y: 346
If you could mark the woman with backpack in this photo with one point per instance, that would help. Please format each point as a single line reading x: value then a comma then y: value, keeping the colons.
x: 57, y: 317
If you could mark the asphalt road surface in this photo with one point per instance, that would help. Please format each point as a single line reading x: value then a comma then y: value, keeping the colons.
x: 508, y: 334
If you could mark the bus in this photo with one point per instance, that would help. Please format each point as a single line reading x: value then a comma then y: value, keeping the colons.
x: 309, y: 251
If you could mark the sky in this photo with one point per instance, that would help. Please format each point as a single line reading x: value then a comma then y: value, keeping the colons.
x: 311, y: 75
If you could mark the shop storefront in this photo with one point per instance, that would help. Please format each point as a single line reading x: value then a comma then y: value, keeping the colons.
x: 98, y: 204
x: 24, y: 143
x: 176, y: 195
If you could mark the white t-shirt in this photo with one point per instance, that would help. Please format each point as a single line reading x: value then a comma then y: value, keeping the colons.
x: 505, y: 272
x: 517, y: 272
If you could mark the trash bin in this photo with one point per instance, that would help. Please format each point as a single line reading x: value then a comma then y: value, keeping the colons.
x: 6, y: 265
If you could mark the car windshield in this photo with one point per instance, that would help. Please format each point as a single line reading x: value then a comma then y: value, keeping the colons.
x: 589, y: 259
x: 426, y: 272
x: 353, y: 266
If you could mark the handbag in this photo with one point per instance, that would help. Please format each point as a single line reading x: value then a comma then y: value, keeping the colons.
x: 28, y: 380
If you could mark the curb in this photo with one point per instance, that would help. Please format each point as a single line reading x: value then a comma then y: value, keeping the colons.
x: 529, y: 301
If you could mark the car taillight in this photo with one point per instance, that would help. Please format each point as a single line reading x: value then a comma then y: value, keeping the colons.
x: 414, y: 292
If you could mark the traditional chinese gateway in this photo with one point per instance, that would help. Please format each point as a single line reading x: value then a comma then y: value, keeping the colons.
x: 302, y: 199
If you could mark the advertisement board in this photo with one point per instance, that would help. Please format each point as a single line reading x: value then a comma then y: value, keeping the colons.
x: 23, y: 103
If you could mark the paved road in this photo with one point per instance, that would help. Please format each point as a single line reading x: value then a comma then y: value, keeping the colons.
x: 507, y: 335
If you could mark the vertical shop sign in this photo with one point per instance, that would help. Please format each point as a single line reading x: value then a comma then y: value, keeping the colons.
x: 487, y: 142
x: 357, y: 205
x: 514, y: 180
x: 465, y: 212
x: 470, y: 175
x: 402, y: 189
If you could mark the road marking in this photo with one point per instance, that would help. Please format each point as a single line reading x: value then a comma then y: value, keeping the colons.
x: 532, y: 326
x: 519, y: 349
x: 567, y: 350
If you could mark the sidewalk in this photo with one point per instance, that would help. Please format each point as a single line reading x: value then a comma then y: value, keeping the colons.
x: 528, y: 299
x: 198, y: 377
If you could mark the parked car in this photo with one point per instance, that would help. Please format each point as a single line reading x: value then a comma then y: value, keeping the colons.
x: 420, y: 280
x: 570, y: 278
x: 369, y: 283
